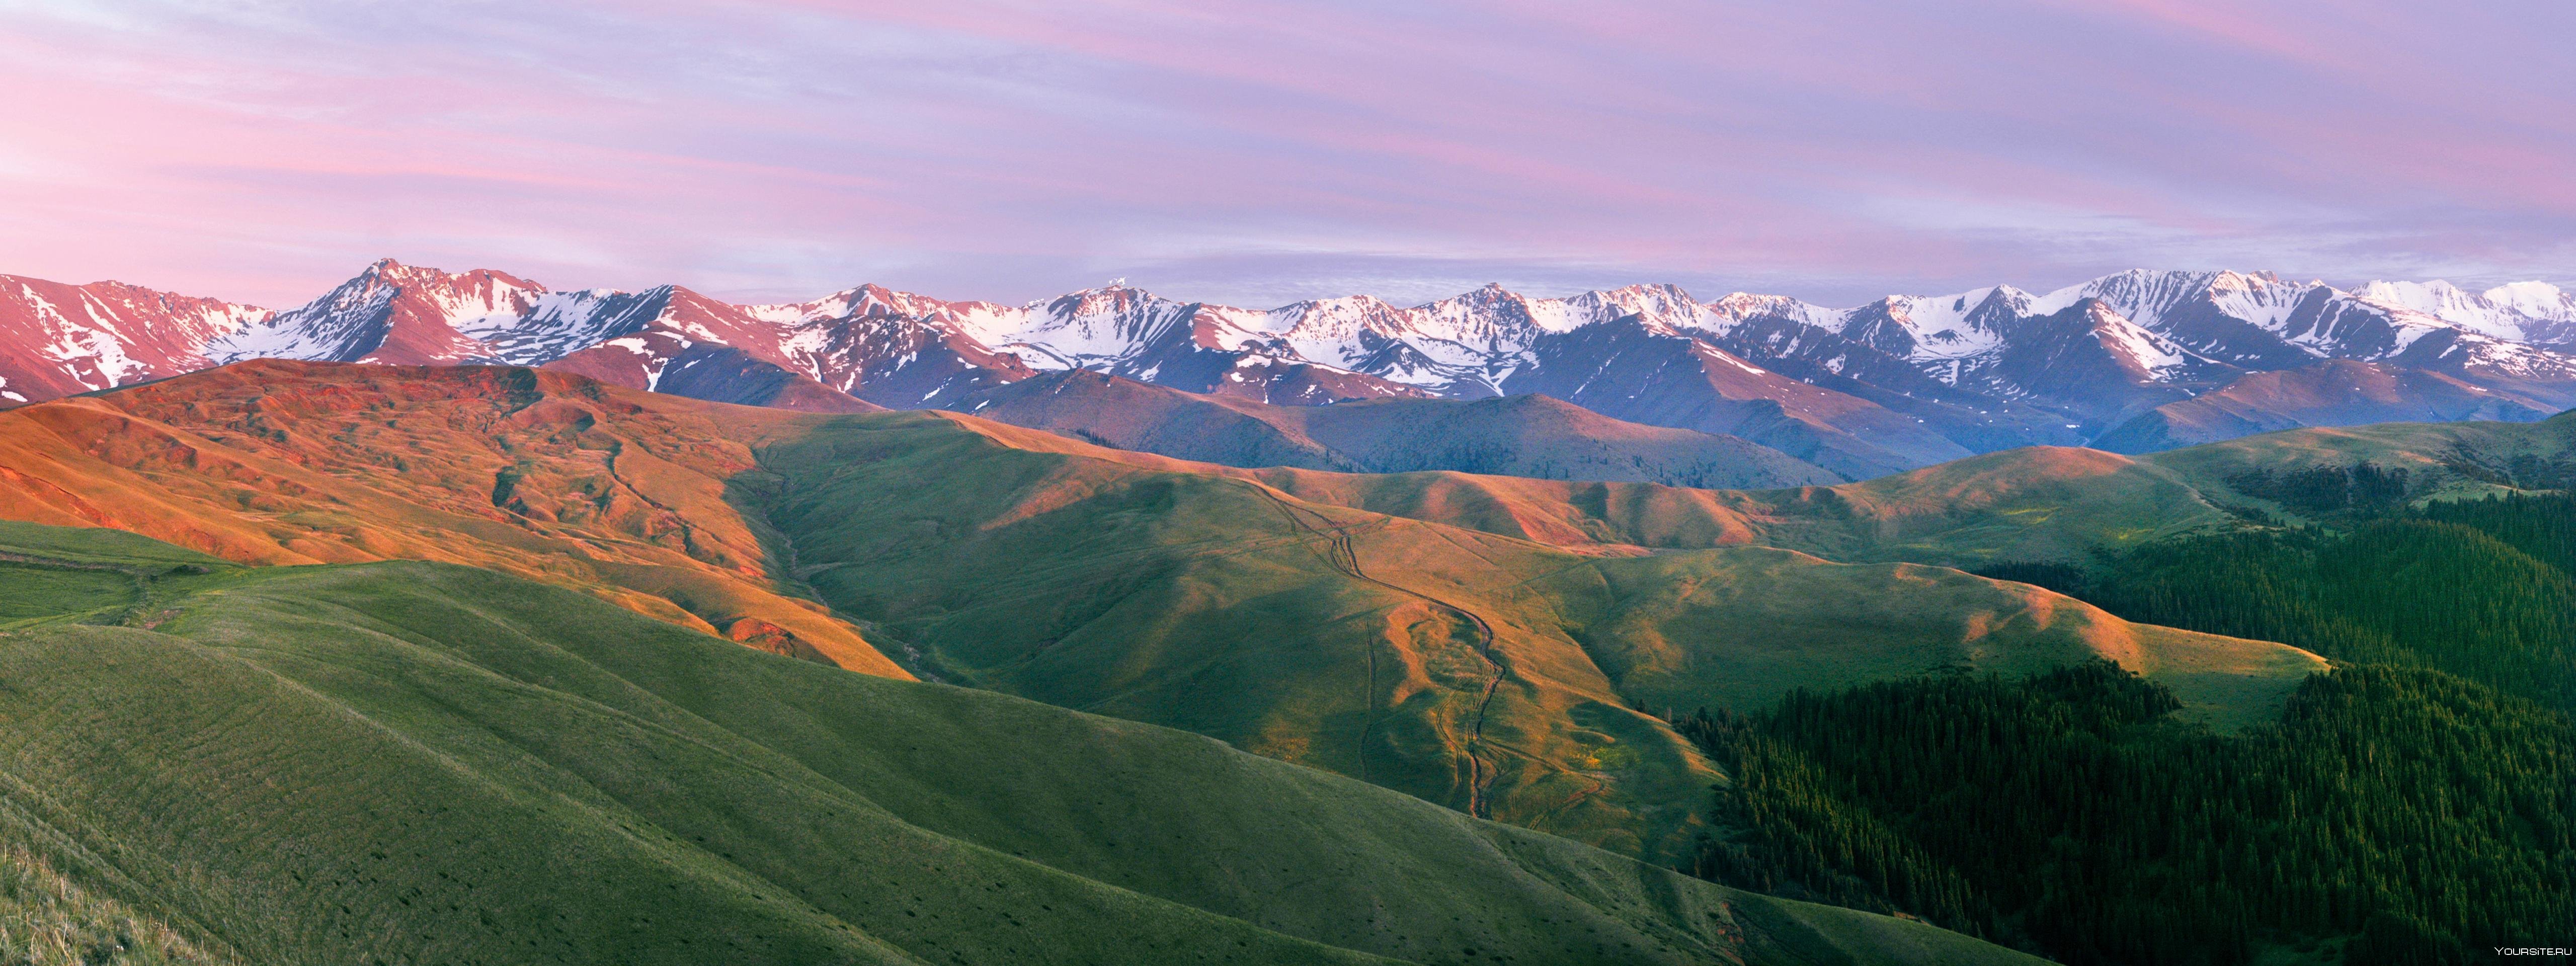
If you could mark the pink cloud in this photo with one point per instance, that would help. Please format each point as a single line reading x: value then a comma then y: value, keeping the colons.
x: 1006, y: 150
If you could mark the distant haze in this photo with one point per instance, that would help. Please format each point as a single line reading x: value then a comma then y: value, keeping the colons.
x: 1259, y: 152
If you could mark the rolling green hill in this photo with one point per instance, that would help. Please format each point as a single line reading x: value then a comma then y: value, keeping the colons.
x: 1500, y: 676
x: 1511, y: 648
x: 421, y: 762
x: 2445, y: 460
x: 2035, y: 503
x: 1530, y: 436
x: 1509, y: 678
x: 2042, y: 503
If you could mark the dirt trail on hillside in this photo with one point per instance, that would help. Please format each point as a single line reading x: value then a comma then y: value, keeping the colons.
x: 1340, y: 553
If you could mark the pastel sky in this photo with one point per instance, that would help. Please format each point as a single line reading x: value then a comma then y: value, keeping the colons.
x: 1258, y: 152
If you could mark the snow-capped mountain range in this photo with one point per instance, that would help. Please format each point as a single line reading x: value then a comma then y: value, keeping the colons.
x: 1898, y: 382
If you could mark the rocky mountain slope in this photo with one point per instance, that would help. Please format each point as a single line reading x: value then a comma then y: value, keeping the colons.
x: 57, y: 340
x: 1899, y: 383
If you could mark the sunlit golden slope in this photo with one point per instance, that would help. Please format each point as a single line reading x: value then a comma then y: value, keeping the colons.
x: 534, y: 473
x: 1496, y: 674
x: 1281, y: 611
x: 425, y: 763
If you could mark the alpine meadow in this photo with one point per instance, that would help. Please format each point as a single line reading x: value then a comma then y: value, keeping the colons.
x: 1116, y: 484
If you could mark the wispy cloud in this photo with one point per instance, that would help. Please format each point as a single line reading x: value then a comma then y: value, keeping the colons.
x: 1263, y: 150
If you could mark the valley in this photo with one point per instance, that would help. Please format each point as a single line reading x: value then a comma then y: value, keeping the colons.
x: 978, y: 483
x: 1518, y: 676
x: 517, y: 743
x: 1497, y: 647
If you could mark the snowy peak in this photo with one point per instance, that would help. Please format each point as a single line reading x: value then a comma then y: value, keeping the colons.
x: 1326, y: 320
x: 480, y: 289
x: 2001, y: 302
x: 2441, y: 300
x: 58, y: 339
x: 865, y: 301
x: 1502, y: 311
x: 2260, y: 298
x: 2149, y: 298
x: 553, y: 324
x: 1109, y: 301
x: 1097, y: 327
x: 391, y: 313
x: 2428, y: 297
x: 1736, y: 308
x: 1499, y: 320
x: 1666, y: 305
x: 2243, y: 281
x: 2147, y: 355
x: 1991, y: 366
x: 1492, y: 316
x: 1924, y: 329
x: 481, y: 299
x: 2535, y: 312
x: 875, y: 307
x: 1356, y: 332
x: 2539, y: 300
x: 2170, y: 321
x: 2238, y: 319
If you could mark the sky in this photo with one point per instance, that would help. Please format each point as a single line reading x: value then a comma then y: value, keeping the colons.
x: 1260, y: 152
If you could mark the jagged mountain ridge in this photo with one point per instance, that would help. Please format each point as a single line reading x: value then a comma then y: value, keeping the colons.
x: 1899, y: 382
x: 60, y: 340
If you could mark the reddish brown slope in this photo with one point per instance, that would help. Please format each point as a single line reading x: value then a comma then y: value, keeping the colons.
x: 2033, y: 503
x: 538, y: 474
x: 1489, y: 673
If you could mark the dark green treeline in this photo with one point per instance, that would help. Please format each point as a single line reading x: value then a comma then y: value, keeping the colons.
x: 2393, y: 815
x: 2417, y: 805
x: 2479, y: 588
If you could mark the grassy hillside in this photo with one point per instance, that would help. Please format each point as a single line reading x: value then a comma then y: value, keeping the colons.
x: 1506, y: 647
x: 2442, y: 460
x: 1546, y: 438
x: 2335, y: 392
x: 634, y: 503
x: 417, y: 762
x: 1528, y: 436
x: 2052, y: 504
x: 544, y: 475
x: 48, y: 919
x: 2483, y: 589
x: 1500, y: 676
x: 1503, y: 677
x: 53, y: 572
x: 2032, y: 503
x: 1126, y: 414
x: 2036, y: 503
x: 1742, y: 628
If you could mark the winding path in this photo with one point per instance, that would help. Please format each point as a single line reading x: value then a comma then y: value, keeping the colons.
x: 1343, y: 557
